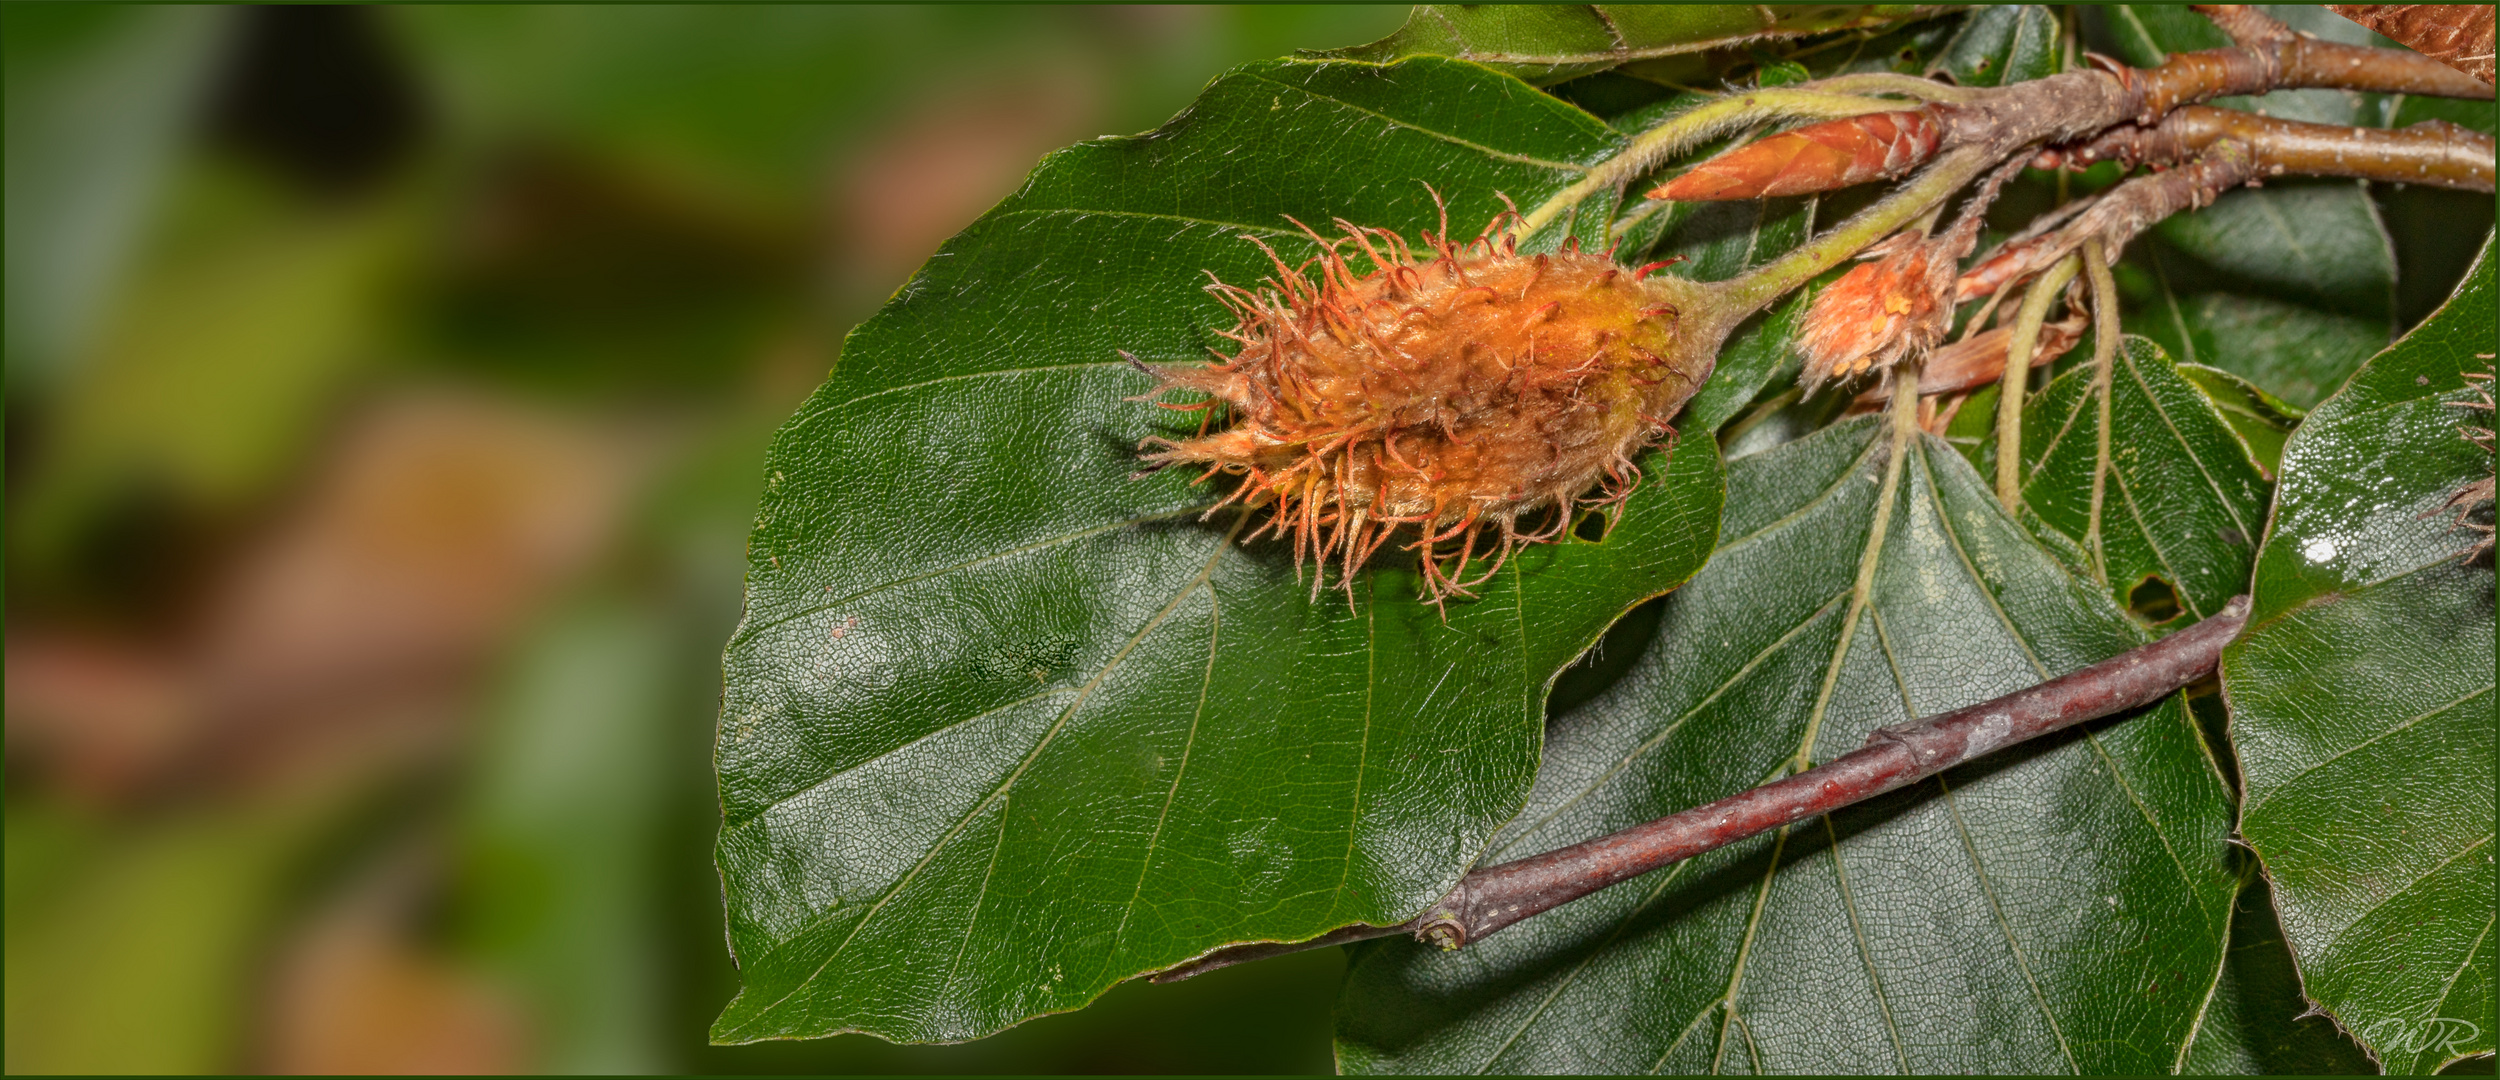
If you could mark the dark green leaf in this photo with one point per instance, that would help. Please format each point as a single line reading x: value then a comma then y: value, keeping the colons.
x: 2059, y: 909
x: 2257, y: 1023
x: 1004, y: 726
x: 1762, y: 350
x: 1548, y: 43
x: 2288, y: 348
x: 2004, y: 43
x: 2261, y: 420
x: 2183, y: 504
x: 2361, y: 706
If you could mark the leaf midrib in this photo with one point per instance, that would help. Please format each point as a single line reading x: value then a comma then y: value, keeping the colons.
x: 1083, y: 694
x: 1613, y: 140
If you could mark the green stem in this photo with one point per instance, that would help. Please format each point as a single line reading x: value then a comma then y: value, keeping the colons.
x: 1690, y: 127
x: 2104, y: 361
x: 2011, y: 392
x: 1750, y: 292
x: 1885, y: 82
x: 1904, y: 415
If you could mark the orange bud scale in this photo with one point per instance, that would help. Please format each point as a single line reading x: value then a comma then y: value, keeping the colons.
x: 1816, y: 157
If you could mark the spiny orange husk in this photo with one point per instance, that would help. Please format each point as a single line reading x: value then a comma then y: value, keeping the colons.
x: 1473, y: 393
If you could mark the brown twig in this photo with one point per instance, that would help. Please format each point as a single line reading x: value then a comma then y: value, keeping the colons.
x: 1978, y: 360
x: 2267, y: 56
x: 2435, y: 153
x: 2224, y: 149
x: 2458, y: 35
x: 2302, y: 60
x: 2118, y: 216
x: 1494, y: 897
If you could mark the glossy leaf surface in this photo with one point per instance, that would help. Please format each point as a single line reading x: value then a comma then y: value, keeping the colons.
x: 2184, y: 502
x: 1005, y: 726
x: 2060, y: 908
x: 2361, y: 699
x: 2004, y: 43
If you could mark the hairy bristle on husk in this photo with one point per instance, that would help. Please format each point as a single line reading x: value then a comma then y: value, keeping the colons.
x: 1475, y: 396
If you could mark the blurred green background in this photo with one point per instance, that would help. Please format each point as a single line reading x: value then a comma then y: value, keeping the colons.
x: 386, y: 395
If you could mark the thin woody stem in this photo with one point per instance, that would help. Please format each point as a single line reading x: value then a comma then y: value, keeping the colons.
x: 2118, y: 216
x: 1494, y: 897
x: 2011, y: 392
x: 1690, y: 127
x: 1917, y: 197
x: 2433, y: 153
x: 2309, y: 61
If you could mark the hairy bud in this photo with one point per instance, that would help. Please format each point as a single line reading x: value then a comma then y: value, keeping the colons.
x: 1816, y: 157
x: 1880, y: 311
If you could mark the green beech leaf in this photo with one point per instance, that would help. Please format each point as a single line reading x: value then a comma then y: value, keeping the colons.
x: 2261, y: 420
x: 2004, y: 43
x: 2184, y: 503
x: 2257, y: 1024
x: 2291, y: 285
x: 1548, y: 43
x: 2361, y: 700
x: 2060, y: 908
x: 1004, y: 726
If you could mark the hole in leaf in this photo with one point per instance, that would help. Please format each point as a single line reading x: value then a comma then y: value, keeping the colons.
x: 1592, y: 526
x: 2152, y: 601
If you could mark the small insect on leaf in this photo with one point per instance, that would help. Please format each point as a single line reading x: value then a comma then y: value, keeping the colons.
x: 1817, y: 157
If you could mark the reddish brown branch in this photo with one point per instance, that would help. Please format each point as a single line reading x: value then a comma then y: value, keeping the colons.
x: 2078, y: 104
x: 2117, y: 216
x: 2434, y: 152
x: 1494, y: 897
x: 2301, y: 60
x: 2267, y: 56
x: 2224, y: 149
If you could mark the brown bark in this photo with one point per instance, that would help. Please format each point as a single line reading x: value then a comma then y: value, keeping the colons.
x: 2267, y: 56
x: 2433, y: 152
x: 2458, y: 35
x: 2223, y: 149
x: 2117, y: 216
x: 1494, y: 897
x: 2306, y: 61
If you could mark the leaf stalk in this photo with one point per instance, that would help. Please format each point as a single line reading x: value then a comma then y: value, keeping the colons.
x: 2015, y: 387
